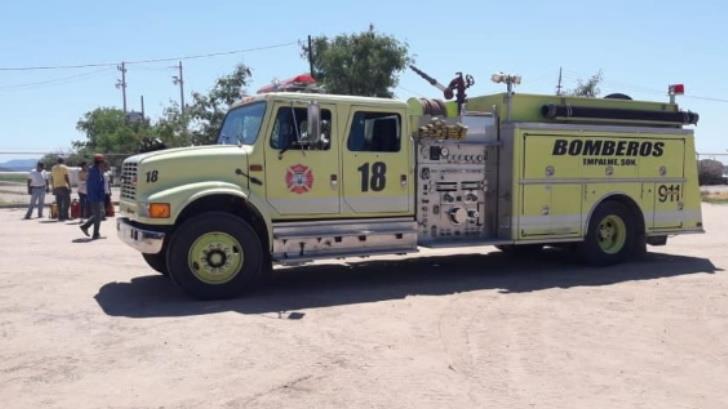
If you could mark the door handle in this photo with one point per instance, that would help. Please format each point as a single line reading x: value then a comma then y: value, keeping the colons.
x: 334, y: 180
x: 403, y: 180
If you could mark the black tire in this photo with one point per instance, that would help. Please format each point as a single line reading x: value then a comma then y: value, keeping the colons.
x: 595, y: 248
x: 181, y: 268
x: 520, y: 250
x: 157, y: 261
x: 640, y: 247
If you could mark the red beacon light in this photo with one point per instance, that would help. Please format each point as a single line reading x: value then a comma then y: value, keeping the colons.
x: 675, y: 89
x: 299, y: 83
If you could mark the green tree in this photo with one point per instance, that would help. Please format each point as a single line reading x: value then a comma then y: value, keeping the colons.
x: 588, y: 88
x: 172, y: 129
x: 207, y: 111
x: 710, y: 172
x: 366, y: 63
x: 108, y: 131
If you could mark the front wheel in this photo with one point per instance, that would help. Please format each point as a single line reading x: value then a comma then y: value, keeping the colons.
x: 156, y: 261
x: 215, y: 255
x: 612, y: 235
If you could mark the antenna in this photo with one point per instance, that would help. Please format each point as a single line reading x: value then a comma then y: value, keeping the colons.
x: 558, y: 86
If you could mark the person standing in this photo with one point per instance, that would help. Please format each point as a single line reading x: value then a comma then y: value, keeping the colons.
x: 37, y: 189
x: 96, y: 196
x: 107, y: 188
x: 61, y: 188
x: 82, y: 201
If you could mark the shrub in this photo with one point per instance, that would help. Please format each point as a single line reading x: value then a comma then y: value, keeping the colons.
x: 710, y: 172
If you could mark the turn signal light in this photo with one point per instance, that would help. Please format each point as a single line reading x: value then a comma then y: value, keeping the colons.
x: 159, y: 210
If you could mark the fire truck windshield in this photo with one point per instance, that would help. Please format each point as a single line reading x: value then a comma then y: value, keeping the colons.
x: 242, y: 124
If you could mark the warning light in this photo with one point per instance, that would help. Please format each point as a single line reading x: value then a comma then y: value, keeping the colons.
x: 303, y: 82
x: 676, y: 89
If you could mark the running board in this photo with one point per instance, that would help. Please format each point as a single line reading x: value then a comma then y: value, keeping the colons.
x: 292, y: 261
x: 295, y: 242
x: 492, y: 242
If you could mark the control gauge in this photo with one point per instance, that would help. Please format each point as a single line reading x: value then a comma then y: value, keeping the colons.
x: 444, y: 152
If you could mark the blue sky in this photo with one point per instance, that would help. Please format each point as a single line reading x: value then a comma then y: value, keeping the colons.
x: 640, y: 46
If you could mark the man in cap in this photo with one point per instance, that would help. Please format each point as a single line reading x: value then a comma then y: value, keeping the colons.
x: 95, y: 196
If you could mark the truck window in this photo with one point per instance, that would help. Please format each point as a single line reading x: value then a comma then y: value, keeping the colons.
x: 374, y: 132
x: 242, y: 124
x: 285, y: 128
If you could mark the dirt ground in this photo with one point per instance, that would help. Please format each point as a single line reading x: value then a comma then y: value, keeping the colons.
x: 89, y: 325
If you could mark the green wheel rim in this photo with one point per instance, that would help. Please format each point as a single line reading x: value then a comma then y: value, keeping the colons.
x: 215, y: 258
x: 612, y: 234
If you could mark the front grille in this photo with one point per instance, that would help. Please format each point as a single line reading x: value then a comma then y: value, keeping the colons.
x: 128, y: 180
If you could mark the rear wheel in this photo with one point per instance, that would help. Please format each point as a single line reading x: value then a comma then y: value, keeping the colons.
x: 156, y: 261
x: 612, y: 235
x: 215, y: 255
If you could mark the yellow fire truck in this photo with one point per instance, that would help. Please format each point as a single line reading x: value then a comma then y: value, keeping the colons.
x: 298, y: 176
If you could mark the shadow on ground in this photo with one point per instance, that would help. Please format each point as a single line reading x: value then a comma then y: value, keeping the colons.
x: 87, y: 239
x: 369, y: 281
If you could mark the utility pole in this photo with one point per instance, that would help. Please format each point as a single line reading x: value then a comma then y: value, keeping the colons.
x: 142, y: 98
x: 122, y: 82
x: 310, y: 56
x: 558, y: 86
x: 179, y: 80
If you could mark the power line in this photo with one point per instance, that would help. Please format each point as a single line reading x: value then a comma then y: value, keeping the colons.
x: 154, y: 60
x: 412, y: 92
x: 217, y: 54
x: 55, y: 80
x: 707, y: 98
x: 654, y: 91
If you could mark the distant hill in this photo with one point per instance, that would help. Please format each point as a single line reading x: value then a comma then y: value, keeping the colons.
x: 18, y: 165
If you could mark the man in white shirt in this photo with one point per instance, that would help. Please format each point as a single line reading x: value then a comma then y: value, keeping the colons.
x: 107, y: 187
x: 37, y: 188
x: 82, y: 199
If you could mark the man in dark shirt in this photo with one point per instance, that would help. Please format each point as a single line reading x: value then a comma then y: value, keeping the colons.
x: 95, y: 196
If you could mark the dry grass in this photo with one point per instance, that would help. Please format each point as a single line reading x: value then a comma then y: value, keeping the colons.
x: 12, y: 177
x: 719, y: 197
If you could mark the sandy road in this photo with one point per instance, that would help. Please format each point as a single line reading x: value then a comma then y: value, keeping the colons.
x: 88, y: 325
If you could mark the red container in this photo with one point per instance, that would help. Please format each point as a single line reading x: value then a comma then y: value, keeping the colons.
x: 109, y: 210
x: 75, y: 209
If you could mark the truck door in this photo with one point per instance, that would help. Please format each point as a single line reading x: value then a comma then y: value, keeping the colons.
x: 548, y: 208
x: 669, y: 191
x: 302, y: 179
x: 376, y: 162
x: 668, y: 211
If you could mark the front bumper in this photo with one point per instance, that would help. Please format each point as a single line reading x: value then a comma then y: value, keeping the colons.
x: 145, y: 241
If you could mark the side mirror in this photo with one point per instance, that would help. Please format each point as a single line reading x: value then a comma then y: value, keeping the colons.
x: 314, y: 122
